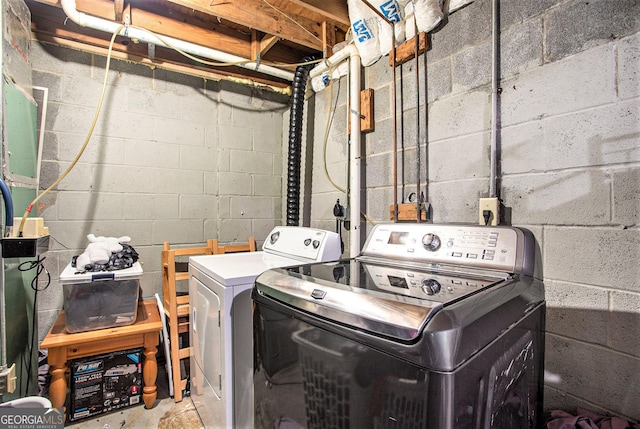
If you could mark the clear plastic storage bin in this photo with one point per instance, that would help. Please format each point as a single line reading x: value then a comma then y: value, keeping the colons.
x: 99, y: 300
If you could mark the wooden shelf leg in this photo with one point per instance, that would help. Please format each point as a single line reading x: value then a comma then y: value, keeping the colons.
x: 150, y: 370
x: 57, y: 360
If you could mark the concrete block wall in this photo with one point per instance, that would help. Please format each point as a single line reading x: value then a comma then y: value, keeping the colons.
x: 569, y: 167
x: 173, y: 158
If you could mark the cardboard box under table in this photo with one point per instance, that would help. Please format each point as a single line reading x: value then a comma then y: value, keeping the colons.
x: 99, y: 300
x: 104, y: 383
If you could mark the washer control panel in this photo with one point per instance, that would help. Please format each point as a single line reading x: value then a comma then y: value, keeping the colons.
x: 421, y: 284
x: 492, y: 247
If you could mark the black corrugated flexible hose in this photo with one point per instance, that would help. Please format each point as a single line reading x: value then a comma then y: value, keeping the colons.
x: 294, y: 157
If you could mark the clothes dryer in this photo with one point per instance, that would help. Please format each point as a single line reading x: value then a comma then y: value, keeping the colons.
x: 221, y: 335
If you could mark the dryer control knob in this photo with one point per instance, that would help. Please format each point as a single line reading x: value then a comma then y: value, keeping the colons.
x: 431, y: 286
x: 274, y: 237
x: 431, y: 242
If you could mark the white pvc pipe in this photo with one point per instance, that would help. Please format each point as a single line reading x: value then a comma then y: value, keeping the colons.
x: 350, y: 52
x: 84, y: 20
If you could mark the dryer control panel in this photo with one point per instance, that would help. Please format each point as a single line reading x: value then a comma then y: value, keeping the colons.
x: 493, y: 247
x: 314, y: 245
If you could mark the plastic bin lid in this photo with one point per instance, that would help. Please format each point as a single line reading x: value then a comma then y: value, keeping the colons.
x: 69, y: 276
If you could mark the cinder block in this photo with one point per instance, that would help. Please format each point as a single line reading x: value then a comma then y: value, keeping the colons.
x: 150, y: 284
x: 198, y: 158
x: 151, y: 154
x: 575, y: 83
x: 374, y: 144
x: 59, y: 60
x: 577, y: 311
x: 180, y: 182
x: 235, y: 137
x: 251, y: 207
x: 178, y: 131
x: 150, y: 206
x: 457, y: 201
x: 195, y: 207
x: 438, y: 79
x: 575, y: 140
x: 597, y: 256
x: 514, y: 12
x: 629, y: 67
x: 626, y: 196
x: 154, y: 103
x: 211, y: 183
x: 211, y: 137
x: 51, y: 81
x: 564, y: 198
x: 66, y: 118
x: 586, y: 371
x: 86, y: 205
x: 119, y: 123
x: 471, y: 67
x: 624, y: 322
x: 100, y: 150
x: 378, y: 170
x: 521, y: 47
x: 575, y: 26
x: 378, y: 202
x: 462, y: 30
x: 177, y: 231
x: 234, y: 230
x: 128, y: 74
x: 251, y: 161
x: 523, y: 148
x: 459, y: 115
x: 235, y: 183
x: 471, y: 155
x: 266, y: 185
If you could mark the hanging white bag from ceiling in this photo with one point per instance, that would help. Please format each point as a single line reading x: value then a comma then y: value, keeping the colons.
x: 393, y: 10
x: 364, y: 24
x: 409, y: 21
x: 457, y: 4
x: 428, y: 14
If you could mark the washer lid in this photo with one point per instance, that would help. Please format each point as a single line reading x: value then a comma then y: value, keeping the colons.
x: 396, y: 302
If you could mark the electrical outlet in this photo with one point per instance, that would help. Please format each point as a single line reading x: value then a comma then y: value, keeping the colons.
x: 8, y: 380
x: 489, y: 211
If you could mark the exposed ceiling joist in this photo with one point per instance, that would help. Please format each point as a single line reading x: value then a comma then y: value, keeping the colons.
x: 276, y: 32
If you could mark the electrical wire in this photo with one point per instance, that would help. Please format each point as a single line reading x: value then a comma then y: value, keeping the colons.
x: 86, y: 141
x: 325, y: 140
x: 40, y: 268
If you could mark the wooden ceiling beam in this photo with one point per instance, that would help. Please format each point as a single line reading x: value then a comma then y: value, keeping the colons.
x: 261, y: 45
x: 281, y: 18
x: 333, y: 10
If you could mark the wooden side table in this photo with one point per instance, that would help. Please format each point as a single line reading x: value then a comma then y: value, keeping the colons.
x: 64, y: 346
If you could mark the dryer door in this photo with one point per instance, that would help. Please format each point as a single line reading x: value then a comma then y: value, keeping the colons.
x: 206, y: 333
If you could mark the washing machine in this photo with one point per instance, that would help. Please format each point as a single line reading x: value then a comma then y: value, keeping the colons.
x: 431, y: 326
x: 221, y: 335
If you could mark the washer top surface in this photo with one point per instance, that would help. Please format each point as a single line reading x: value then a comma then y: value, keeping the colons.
x: 237, y: 269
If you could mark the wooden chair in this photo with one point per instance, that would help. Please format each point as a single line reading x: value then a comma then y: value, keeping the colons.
x: 175, y: 268
x: 217, y: 249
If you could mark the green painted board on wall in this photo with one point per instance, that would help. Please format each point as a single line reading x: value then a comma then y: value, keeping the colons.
x: 20, y: 127
x: 22, y: 197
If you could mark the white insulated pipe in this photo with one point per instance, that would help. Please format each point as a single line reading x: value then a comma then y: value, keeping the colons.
x: 84, y: 20
x: 351, y: 53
